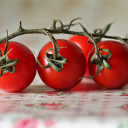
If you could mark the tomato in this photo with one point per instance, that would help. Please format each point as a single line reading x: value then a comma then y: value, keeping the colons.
x: 25, y: 68
x: 82, y: 42
x: 72, y: 70
x: 117, y: 76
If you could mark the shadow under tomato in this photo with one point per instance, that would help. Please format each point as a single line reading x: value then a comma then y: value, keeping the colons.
x: 87, y: 85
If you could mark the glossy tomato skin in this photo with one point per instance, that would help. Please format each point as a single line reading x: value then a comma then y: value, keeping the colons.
x: 82, y: 42
x: 72, y: 70
x: 25, y: 68
x: 117, y: 76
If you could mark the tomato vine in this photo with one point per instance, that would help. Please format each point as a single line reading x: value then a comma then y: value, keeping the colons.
x: 65, y: 29
x: 54, y: 30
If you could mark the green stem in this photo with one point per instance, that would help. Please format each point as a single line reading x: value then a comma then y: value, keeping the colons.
x: 54, y: 24
x: 53, y: 42
x: 22, y: 31
x: 95, y: 46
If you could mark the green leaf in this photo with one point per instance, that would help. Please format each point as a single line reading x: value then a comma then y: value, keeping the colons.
x: 10, y: 63
x: 3, y: 71
x: 85, y: 30
x: 98, y: 31
x: 60, y: 59
x: 106, y: 64
x: 55, y: 65
x: 92, y: 60
x: 5, y: 56
x: 99, y: 68
x: 106, y: 28
x: 47, y: 66
x: 67, y: 25
x: 50, y: 56
x: 70, y: 24
x: 103, y: 64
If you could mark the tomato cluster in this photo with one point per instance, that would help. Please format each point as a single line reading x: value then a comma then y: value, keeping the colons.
x: 78, y: 53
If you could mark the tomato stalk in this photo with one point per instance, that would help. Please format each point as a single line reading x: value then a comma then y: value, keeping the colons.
x: 54, y: 30
x: 53, y: 40
x: 6, y: 64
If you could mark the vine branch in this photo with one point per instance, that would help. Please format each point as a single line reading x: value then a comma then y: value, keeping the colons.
x: 22, y: 31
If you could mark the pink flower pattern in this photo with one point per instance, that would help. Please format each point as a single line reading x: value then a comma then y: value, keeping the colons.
x: 26, y: 123
x: 49, y: 123
x: 51, y: 106
x: 64, y: 102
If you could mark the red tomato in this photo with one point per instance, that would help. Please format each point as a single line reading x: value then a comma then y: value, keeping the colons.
x: 117, y: 76
x: 25, y: 68
x: 82, y: 42
x: 72, y: 70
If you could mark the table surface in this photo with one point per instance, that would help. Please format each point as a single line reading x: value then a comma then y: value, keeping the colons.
x: 44, y: 107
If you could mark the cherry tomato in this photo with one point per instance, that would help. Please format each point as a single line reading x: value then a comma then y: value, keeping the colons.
x: 72, y: 70
x: 82, y: 42
x: 117, y: 76
x: 25, y: 68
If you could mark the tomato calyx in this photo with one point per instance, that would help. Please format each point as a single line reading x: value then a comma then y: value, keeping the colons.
x: 103, y: 62
x: 6, y: 64
x: 56, y: 64
x: 55, y: 60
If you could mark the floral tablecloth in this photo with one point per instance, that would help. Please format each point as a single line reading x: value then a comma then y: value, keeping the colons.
x: 43, y: 107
